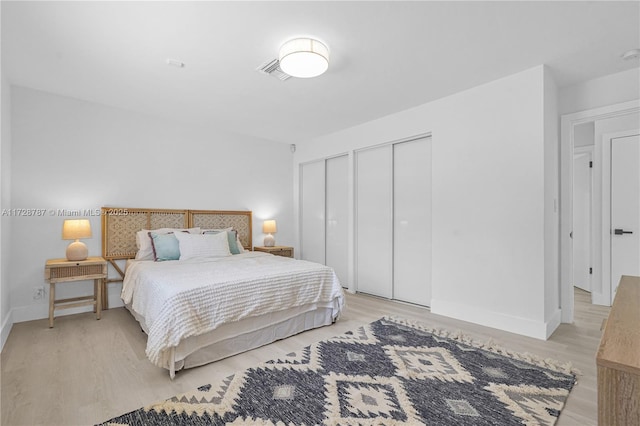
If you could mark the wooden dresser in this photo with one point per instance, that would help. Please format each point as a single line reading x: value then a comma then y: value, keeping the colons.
x: 618, y: 359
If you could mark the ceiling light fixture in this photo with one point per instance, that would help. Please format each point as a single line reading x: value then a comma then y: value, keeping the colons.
x: 304, y: 57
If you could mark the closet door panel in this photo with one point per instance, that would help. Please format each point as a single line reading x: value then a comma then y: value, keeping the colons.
x: 337, y: 212
x: 374, y: 221
x: 412, y: 221
x: 312, y: 208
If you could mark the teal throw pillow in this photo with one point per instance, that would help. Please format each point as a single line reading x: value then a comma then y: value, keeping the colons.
x: 165, y: 246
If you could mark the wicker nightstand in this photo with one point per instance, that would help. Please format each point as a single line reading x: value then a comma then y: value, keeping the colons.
x: 63, y: 270
x: 283, y: 251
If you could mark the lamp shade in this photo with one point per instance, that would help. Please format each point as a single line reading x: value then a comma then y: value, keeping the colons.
x: 74, y: 229
x: 269, y: 226
x: 304, y: 57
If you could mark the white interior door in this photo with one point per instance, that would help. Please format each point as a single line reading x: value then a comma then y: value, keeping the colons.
x: 625, y: 208
x: 312, y: 211
x: 582, y: 220
x: 374, y: 225
x: 337, y: 215
x: 412, y: 221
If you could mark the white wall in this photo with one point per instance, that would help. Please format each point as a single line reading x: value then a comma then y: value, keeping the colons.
x: 6, y: 321
x: 552, y: 314
x: 71, y: 154
x: 608, y: 90
x: 489, y: 197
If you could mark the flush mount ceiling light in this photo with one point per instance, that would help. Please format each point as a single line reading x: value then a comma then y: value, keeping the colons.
x: 304, y: 57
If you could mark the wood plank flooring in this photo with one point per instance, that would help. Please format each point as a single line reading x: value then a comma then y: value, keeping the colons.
x: 85, y: 371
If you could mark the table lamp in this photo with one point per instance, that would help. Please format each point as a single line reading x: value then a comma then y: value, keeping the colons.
x: 74, y: 229
x: 269, y: 227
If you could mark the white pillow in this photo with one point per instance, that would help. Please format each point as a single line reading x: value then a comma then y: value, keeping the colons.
x: 203, y: 246
x: 238, y: 243
x: 216, y: 230
x: 143, y: 241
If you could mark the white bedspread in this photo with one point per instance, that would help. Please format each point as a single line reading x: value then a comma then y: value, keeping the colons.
x: 179, y: 299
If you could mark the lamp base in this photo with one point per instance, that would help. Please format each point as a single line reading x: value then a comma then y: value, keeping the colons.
x: 269, y: 241
x: 77, y: 250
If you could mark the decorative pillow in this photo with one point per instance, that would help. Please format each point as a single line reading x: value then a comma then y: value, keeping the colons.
x: 165, y: 246
x: 143, y: 241
x: 215, y: 230
x: 239, y: 244
x: 232, y: 236
x: 203, y: 246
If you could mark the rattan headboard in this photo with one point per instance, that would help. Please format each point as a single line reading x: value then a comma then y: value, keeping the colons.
x: 119, y: 226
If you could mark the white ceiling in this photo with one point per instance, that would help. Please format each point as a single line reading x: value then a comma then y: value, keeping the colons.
x: 385, y: 56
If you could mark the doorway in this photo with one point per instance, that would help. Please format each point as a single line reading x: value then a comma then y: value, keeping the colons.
x: 569, y: 123
x: 582, y: 223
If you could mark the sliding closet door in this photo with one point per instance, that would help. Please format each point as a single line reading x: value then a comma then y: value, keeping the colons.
x: 412, y: 221
x: 312, y: 206
x: 374, y: 221
x: 337, y: 213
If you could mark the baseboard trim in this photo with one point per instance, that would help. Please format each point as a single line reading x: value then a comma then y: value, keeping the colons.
x: 473, y: 314
x: 41, y: 310
x: 38, y: 312
x: 553, y: 323
x: 7, y: 324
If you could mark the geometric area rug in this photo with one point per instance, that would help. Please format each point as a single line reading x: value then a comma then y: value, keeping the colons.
x: 389, y: 372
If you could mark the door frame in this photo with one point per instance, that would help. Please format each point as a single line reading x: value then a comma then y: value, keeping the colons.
x: 605, y: 159
x: 567, y: 134
x: 589, y: 149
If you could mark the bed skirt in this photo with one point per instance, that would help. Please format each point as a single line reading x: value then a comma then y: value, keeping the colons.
x: 250, y: 333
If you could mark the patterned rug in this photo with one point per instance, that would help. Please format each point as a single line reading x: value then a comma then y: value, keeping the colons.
x: 389, y: 372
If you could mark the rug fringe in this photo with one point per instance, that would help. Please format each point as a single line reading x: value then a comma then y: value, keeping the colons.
x: 491, y: 346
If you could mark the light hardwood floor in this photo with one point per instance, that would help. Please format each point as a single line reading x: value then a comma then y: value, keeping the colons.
x: 85, y: 371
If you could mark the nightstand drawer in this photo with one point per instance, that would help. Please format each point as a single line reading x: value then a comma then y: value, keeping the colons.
x: 74, y: 271
x: 284, y: 251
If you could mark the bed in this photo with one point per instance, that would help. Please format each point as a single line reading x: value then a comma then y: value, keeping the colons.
x: 204, y: 308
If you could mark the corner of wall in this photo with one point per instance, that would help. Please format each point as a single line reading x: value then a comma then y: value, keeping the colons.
x: 6, y: 314
x: 553, y: 323
x: 551, y: 197
x: 7, y: 325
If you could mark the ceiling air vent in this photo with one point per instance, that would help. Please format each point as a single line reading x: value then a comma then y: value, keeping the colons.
x: 273, y: 68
